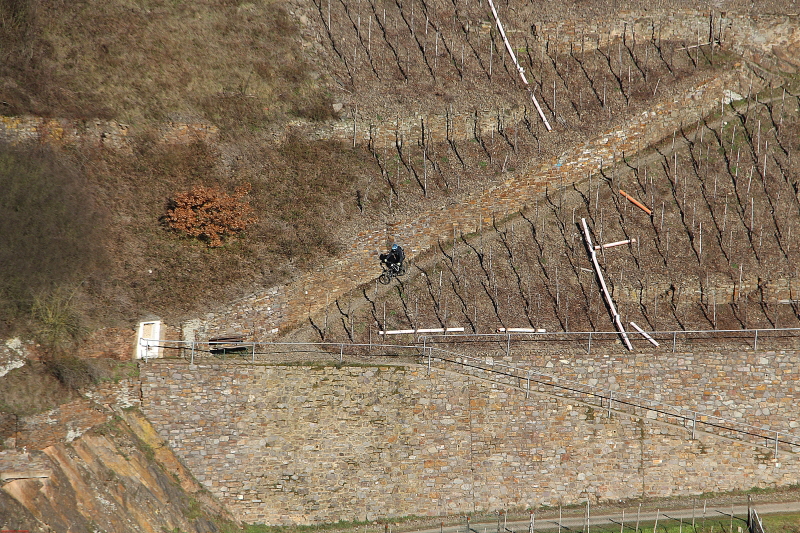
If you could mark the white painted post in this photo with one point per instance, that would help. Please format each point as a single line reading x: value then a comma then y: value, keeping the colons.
x: 519, y: 68
x: 429, y: 355
x: 644, y: 334
x: 612, y: 308
x: 528, y: 392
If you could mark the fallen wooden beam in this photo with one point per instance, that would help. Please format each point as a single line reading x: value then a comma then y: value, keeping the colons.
x: 414, y: 331
x: 519, y: 68
x: 636, y: 202
x: 612, y: 309
x: 714, y: 43
x: 612, y: 244
x: 644, y: 334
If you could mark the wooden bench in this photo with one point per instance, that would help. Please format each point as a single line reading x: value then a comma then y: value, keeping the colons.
x: 228, y: 344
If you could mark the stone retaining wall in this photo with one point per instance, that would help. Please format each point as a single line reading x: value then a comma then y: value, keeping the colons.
x: 103, y: 133
x: 293, y: 444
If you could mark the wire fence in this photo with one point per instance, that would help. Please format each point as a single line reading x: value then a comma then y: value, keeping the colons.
x: 409, y: 342
x: 673, y: 341
x: 276, y: 352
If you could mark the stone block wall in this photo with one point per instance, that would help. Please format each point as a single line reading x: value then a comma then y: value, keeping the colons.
x: 748, y: 387
x: 109, y: 134
x: 753, y: 37
x: 256, y: 317
x: 291, y: 444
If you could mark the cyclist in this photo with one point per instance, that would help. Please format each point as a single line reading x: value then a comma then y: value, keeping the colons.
x: 394, y: 259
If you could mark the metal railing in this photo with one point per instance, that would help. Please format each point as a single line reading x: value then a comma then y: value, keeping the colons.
x: 529, y: 381
x: 254, y: 352
x: 750, y: 338
x: 668, y: 340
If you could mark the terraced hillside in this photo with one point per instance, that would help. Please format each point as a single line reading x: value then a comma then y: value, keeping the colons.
x: 358, y: 123
x: 692, y: 113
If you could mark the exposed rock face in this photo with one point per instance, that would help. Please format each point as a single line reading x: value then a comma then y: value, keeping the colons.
x: 117, y: 477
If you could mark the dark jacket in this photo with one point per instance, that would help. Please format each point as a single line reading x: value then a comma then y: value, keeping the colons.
x: 394, y: 257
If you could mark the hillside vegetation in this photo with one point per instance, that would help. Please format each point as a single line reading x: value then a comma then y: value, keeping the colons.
x: 87, y: 244
x: 86, y: 226
x: 268, y: 74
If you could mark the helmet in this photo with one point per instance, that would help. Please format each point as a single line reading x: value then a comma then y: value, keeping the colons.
x: 395, y: 247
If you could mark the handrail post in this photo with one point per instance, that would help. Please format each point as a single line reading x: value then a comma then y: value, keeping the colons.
x: 193, y: 343
x: 341, y: 353
x: 755, y: 341
x: 589, y: 350
x: 694, y: 423
x: 254, y: 352
x: 508, y: 345
x: 610, y: 399
x: 674, y: 340
x: 527, y: 392
x: 776, y: 444
x: 424, y: 349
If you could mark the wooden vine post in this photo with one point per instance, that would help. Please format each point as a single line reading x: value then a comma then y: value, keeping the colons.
x: 612, y: 309
x: 519, y: 68
x: 636, y: 202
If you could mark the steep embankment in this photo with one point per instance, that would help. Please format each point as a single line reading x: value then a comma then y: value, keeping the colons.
x: 83, y: 467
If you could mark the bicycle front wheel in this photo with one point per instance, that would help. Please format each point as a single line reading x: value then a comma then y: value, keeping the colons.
x: 384, y: 279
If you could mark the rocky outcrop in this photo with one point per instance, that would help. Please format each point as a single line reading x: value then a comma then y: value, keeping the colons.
x: 116, y: 476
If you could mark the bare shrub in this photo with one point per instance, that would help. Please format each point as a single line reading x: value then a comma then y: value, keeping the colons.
x: 73, y: 372
x: 53, y: 232
x: 59, y: 322
x: 210, y: 214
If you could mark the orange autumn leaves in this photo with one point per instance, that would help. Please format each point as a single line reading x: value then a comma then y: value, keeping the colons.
x: 209, y: 213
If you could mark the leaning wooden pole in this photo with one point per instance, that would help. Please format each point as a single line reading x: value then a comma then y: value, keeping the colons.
x: 636, y: 202
x: 519, y: 67
x: 612, y: 309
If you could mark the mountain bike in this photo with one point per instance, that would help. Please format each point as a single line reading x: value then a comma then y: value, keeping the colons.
x: 390, y: 273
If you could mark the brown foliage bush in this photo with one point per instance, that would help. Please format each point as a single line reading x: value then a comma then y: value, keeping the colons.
x: 209, y: 214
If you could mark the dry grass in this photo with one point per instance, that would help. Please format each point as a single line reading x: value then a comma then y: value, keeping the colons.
x: 53, y: 233
x: 234, y: 63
